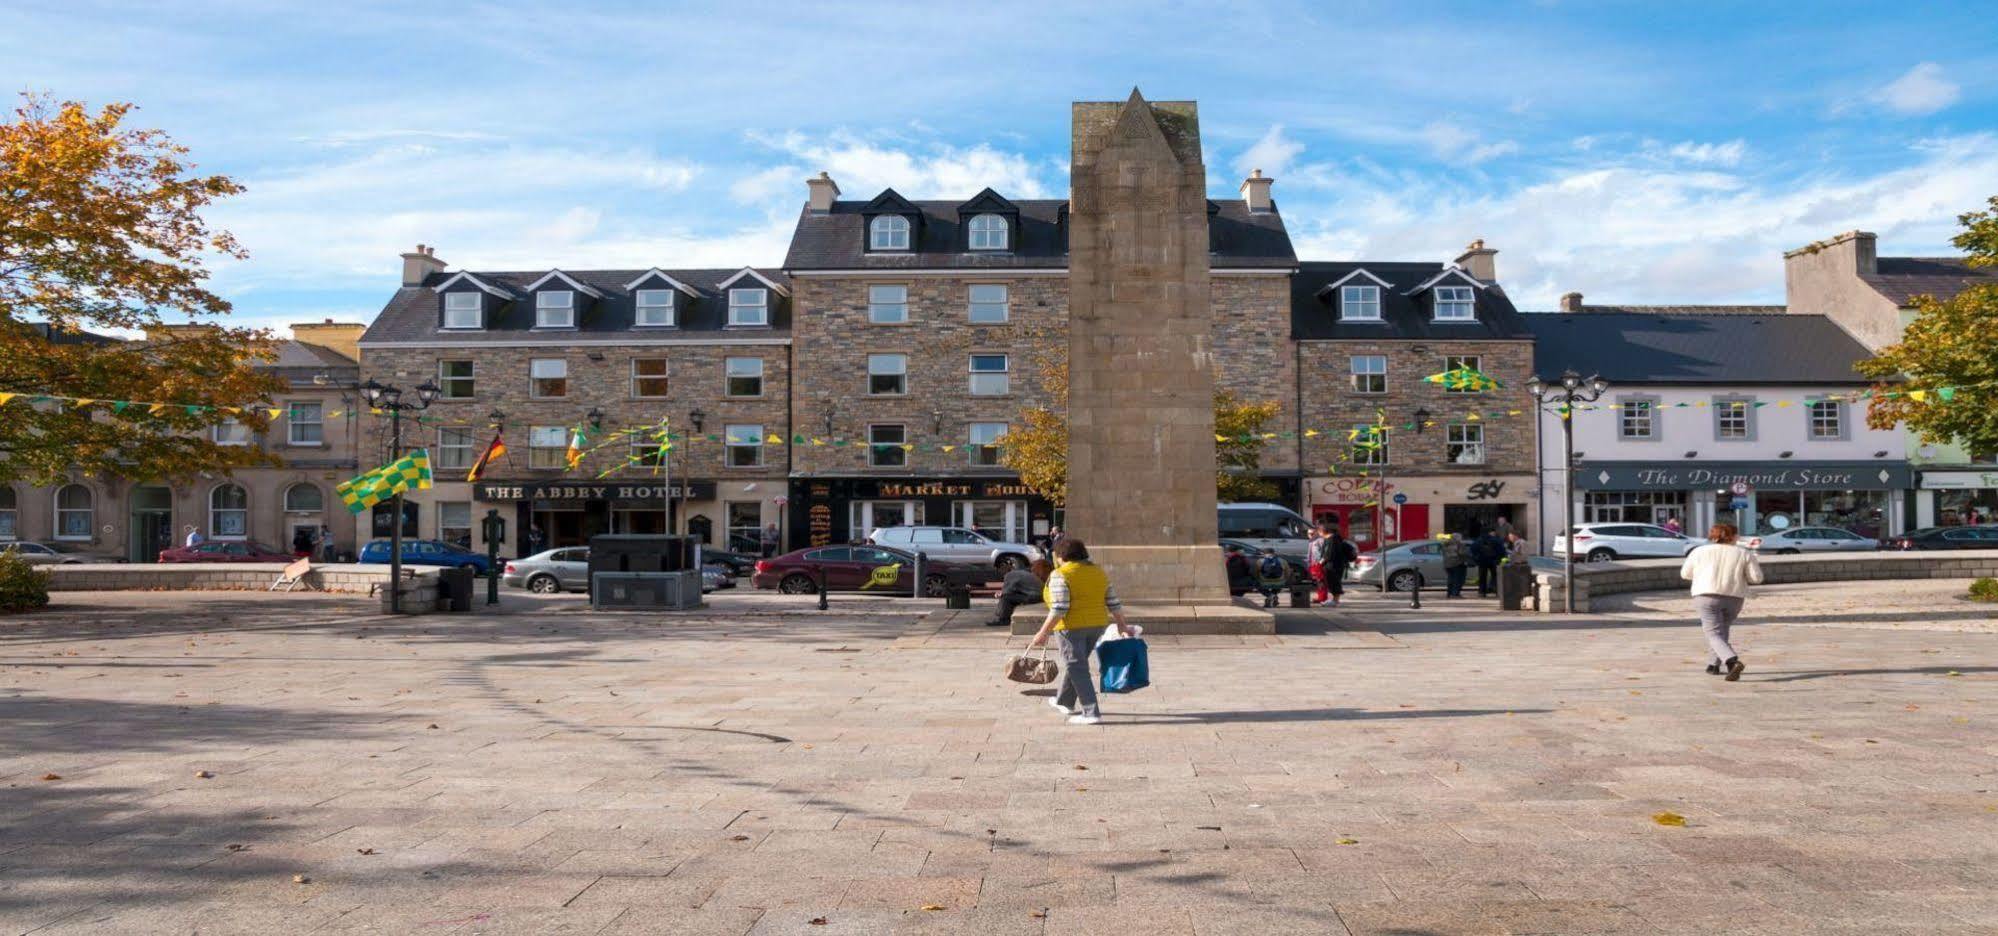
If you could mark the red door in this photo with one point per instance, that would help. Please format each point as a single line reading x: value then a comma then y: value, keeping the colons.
x: 1411, y: 522
x: 1355, y: 522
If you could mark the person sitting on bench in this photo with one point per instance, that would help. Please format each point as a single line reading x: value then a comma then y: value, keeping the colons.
x: 1020, y: 587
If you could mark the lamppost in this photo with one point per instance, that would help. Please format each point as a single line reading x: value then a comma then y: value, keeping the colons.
x: 388, y: 398
x: 1572, y: 388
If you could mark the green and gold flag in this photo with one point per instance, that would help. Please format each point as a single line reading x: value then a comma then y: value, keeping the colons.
x: 1463, y: 379
x: 408, y: 473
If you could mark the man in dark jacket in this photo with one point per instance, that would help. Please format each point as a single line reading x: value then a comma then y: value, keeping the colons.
x: 1456, y: 562
x: 1020, y: 587
x: 1488, y: 550
x: 1241, y: 579
x: 1334, y: 555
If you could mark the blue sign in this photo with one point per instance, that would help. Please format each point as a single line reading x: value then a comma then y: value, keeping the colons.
x: 1738, y: 504
x: 1400, y: 499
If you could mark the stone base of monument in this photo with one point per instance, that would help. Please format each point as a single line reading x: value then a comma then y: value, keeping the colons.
x: 1170, y: 590
x: 1242, y: 616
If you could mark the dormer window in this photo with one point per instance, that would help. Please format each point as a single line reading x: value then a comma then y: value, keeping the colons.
x: 1359, y: 303
x: 988, y: 232
x: 1455, y: 304
x: 888, y: 232
x: 555, y: 308
x: 464, y: 310
x: 655, y: 307
x: 749, y: 307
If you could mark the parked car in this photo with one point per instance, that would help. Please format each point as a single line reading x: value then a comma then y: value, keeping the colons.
x: 548, y: 571
x: 955, y: 544
x: 38, y: 554
x: 715, y: 576
x: 739, y: 564
x: 232, y: 551
x: 1294, y: 566
x: 1260, y: 525
x: 1956, y: 537
x: 1811, y: 539
x: 1604, y: 542
x: 851, y: 568
x: 428, y: 553
x: 1416, y: 562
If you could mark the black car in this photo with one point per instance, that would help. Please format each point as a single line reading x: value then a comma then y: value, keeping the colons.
x: 739, y: 565
x: 1953, y: 537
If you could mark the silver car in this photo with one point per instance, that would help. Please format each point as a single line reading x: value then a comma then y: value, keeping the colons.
x: 1811, y: 539
x: 1408, y: 564
x: 956, y: 544
x: 37, y: 554
x: 549, y: 571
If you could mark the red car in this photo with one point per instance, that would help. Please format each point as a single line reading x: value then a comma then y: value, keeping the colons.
x: 243, y: 551
x: 851, y: 568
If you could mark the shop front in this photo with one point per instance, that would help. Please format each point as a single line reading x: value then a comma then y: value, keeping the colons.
x: 1953, y: 498
x: 1756, y: 497
x: 841, y: 510
x: 549, y: 514
x: 1399, y: 509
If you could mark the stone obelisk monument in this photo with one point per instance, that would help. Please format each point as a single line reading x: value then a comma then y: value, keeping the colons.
x: 1141, y: 372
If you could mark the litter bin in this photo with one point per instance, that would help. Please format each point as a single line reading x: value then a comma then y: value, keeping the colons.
x: 957, y: 596
x: 1300, y: 593
x: 456, y: 586
x: 1515, y: 584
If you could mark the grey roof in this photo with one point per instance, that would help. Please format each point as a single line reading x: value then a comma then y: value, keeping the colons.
x: 837, y: 240
x: 1687, y: 309
x: 1403, y: 315
x: 303, y: 354
x: 1901, y: 279
x: 1683, y: 348
x: 415, y: 313
x: 54, y: 335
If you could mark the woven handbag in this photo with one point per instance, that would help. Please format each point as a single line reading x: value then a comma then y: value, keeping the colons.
x: 1028, y: 668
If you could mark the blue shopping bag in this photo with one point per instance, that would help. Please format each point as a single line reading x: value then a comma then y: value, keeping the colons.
x: 1124, y: 665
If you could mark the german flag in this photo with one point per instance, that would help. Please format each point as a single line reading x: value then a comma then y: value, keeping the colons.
x: 493, y: 451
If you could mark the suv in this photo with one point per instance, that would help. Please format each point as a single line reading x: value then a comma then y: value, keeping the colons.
x: 1606, y: 542
x: 1266, y: 525
x: 955, y: 544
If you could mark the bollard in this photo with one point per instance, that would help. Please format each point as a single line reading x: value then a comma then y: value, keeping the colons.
x: 820, y: 571
x: 1415, y: 594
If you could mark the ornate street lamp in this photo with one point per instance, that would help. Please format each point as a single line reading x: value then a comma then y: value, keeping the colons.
x: 384, y: 397
x: 1572, y: 388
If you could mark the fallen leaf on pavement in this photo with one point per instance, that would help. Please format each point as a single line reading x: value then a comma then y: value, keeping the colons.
x: 738, y: 838
x: 1669, y: 819
x: 51, y: 776
x: 202, y: 775
x: 933, y: 906
x: 817, y: 921
x: 300, y: 879
x: 365, y: 851
x: 1348, y: 841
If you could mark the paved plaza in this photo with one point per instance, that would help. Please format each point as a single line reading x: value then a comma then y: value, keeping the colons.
x: 246, y: 763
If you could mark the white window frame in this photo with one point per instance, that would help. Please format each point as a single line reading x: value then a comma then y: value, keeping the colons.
x: 984, y: 454
x: 544, y: 309
x: 535, y: 377
x: 457, y: 455
x: 640, y: 307
x: 742, y: 302
x: 215, y: 513
x: 88, y: 510
x: 1004, y: 374
x: 645, y: 453
x: 285, y: 499
x: 1470, y: 362
x: 1628, y: 409
x: 476, y: 308
x: 888, y: 232
x: 739, y: 437
x: 982, y: 234
x: 1362, y: 373
x: 1004, y: 304
x: 1464, y: 439
x: 1836, y: 421
x: 229, y: 438
x: 1375, y: 457
x: 1458, y: 297
x: 446, y: 382
x: 888, y: 364
x: 874, y: 449
x: 538, y: 438
x: 444, y: 530
x: 10, y: 514
x: 1356, y: 299
x: 730, y: 376
x: 1722, y: 406
x: 292, y: 423
x: 636, y: 377
x: 880, y: 301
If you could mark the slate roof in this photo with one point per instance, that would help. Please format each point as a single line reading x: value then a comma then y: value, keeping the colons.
x: 415, y: 313
x: 301, y: 354
x: 53, y: 335
x: 1686, y: 309
x: 1901, y: 279
x: 837, y: 240
x: 1403, y: 315
x: 1686, y: 348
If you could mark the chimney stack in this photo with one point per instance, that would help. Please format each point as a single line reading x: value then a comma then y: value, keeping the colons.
x: 344, y: 337
x: 1480, y: 261
x: 1256, y: 191
x: 420, y: 264
x: 1571, y: 302
x: 823, y: 191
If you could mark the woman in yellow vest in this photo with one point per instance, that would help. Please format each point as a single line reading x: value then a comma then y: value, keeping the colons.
x: 1080, y: 604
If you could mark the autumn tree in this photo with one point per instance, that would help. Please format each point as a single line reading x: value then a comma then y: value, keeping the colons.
x: 1944, y: 370
x: 101, y: 229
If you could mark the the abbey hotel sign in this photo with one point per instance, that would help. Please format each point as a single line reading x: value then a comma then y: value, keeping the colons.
x: 1762, y: 476
x: 654, y: 491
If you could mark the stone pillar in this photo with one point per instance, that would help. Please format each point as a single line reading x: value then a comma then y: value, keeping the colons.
x: 1141, y: 373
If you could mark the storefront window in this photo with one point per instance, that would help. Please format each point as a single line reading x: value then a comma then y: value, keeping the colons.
x: 1633, y: 506
x: 1972, y: 505
x: 1862, y: 512
x: 745, y: 527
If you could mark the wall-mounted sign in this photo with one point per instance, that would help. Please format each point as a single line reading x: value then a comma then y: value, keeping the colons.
x: 578, y: 490
x: 1769, y: 476
x: 1959, y: 480
x: 1351, y: 490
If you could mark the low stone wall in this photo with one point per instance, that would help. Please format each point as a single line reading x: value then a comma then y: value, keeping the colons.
x: 1596, y: 579
x: 217, y: 576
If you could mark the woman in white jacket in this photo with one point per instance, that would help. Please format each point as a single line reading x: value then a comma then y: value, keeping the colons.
x: 1721, y: 572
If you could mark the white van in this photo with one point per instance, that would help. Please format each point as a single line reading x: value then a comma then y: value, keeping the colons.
x: 1267, y: 525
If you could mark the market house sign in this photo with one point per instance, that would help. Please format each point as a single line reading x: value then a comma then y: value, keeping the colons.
x: 563, y: 490
x: 1764, y: 476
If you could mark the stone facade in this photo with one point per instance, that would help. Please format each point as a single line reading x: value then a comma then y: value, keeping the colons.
x: 1254, y: 356
x: 1823, y: 278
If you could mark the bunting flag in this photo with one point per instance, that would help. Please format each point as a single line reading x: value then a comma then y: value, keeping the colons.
x: 1464, y: 379
x: 494, y: 450
x: 408, y: 473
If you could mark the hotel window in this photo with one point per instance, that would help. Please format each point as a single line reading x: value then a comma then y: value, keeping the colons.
x: 983, y: 443
x: 228, y: 512
x: 555, y: 308
x: 745, y: 376
x: 884, y: 446
x: 744, y: 526
x: 988, y: 232
x: 887, y: 374
x: 73, y: 512
x: 1734, y: 418
x: 454, y: 380
x: 455, y: 447
x: 1637, y: 418
x: 231, y: 432
x: 745, y: 446
x: 550, y: 377
x: 887, y: 305
x: 1370, y: 447
x: 988, y: 303
x: 304, y: 498
x: 9, y: 517
x: 645, y: 453
x: 648, y: 378
x: 1369, y: 373
x: 749, y: 307
x: 305, y: 424
x: 1360, y: 303
x: 547, y: 447
x: 655, y: 307
x: 1454, y: 304
x: 1464, y: 444
x: 454, y: 522
x: 988, y: 375
x: 888, y: 232
x: 1469, y: 362
x: 1827, y: 420
x: 464, y: 310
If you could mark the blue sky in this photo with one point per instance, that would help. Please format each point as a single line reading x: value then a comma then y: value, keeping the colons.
x: 1632, y: 151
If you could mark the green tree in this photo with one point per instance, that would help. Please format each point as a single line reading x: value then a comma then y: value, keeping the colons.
x: 101, y: 228
x: 1941, y: 378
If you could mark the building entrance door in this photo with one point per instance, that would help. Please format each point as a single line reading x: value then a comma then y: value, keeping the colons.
x: 868, y: 516
x: 152, y: 523
x: 1355, y: 522
x: 1005, y: 521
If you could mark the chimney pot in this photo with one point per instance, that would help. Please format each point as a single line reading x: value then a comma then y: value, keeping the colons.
x: 419, y: 264
x: 1256, y: 191
x: 822, y: 191
x: 1571, y: 302
x: 1480, y: 261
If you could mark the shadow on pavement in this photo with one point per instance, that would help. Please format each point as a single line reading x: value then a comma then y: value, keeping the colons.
x: 1829, y: 674
x: 1308, y: 715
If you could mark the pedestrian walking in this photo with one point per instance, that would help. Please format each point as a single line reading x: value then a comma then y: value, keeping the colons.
x: 1271, y: 576
x: 1721, y: 572
x: 1456, y: 562
x: 301, y: 542
x: 1020, y: 587
x: 1081, y: 603
x: 1515, y: 547
x: 770, y: 538
x: 535, y: 538
x: 194, y: 537
x: 1502, y: 528
x: 1487, y: 551
x: 1335, y: 554
x: 1672, y: 523
x: 1055, y: 537
x: 326, y: 544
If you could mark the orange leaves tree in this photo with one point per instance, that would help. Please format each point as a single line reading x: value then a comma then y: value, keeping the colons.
x: 101, y: 228
x: 1947, y: 359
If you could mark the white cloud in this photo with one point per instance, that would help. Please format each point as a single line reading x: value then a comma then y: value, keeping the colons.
x: 1455, y: 142
x: 767, y: 184
x: 863, y: 167
x: 1272, y: 154
x: 1718, y: 154
x: 1923, y: 90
